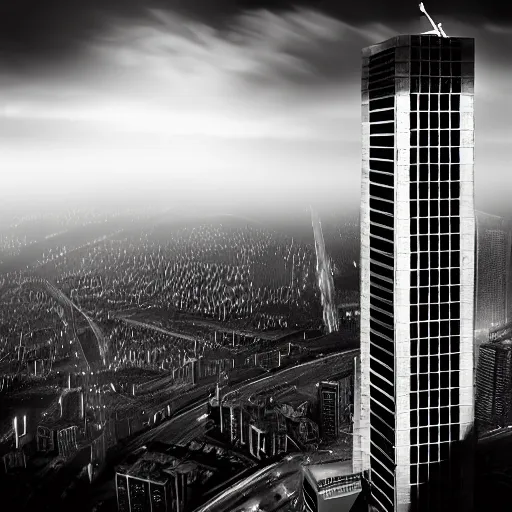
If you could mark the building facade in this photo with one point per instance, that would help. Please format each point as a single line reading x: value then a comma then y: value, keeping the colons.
x: 493, y: 407
x: 494, y: 245
x: 156, y: 482
x: 417, y: 261
x: 330, y: 487
x: 329, y: 410
x: 335, y: 401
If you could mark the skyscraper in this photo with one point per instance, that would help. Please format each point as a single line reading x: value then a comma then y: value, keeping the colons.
x: 417, y: 261
x: 494, y: 385
x: 493, y: 286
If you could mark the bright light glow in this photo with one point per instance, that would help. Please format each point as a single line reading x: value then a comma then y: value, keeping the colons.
x: 269, y: 104
x: 189, y: 108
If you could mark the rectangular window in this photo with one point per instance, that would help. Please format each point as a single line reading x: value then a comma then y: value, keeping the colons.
x: 382, y: 153
x: 382, y: 166
x: 382, y: 115
x: 384, y: 306
x: 382, y: 128
x: 387, y: 141
x: 384, y: 103
x: 382, y: 92
x: 382, y: 219
x: 382, y: 232
x: 383, y: 206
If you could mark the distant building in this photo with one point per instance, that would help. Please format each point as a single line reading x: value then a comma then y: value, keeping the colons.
x: 268, y: 360
x: 63, y: 429
x: 268, y: 436
x: 329, y: 409
x: 231, y: 420
x: 257, y: 440
x: 260, y: 428
x: 14, y: 460
x: 72, y: 404
x: 60, y: 437
x: 330, y: 487
x: 349, y: 313
x: 46, y: 439
x: 156, y: 481
x: 335, y: 400
x: 493, y: 279
x: 493, y: 402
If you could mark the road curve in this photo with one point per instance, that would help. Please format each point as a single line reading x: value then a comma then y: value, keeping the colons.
x: 62, y: 297
x: 303, y: 371
x: 256, y: 485
x: 156, y: 328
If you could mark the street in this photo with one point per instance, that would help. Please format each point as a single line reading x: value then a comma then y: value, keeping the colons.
x: 272, y: 486
x: 97, y: 354
x: 191, y: 423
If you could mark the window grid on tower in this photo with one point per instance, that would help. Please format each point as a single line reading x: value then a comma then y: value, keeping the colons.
x: 381, y: 88
x: 435, y: 252
x: 493, y: 276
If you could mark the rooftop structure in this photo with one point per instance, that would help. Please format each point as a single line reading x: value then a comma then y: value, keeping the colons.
x: 438, y: 31
x: 331, y: 486
x: 162, y: 478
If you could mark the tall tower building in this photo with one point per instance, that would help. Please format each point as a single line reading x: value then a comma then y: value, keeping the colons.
x: 493, y: 282
x: 417, y: 263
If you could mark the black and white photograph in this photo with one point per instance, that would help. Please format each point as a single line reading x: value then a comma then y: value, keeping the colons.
x: 255, y: 256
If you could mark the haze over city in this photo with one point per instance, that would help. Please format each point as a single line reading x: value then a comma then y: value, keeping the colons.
x: 241, y: 105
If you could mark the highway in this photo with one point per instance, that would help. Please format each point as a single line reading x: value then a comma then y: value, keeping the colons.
x: 173, y: 431
x: 156, y: 328
x: 100, y: 356
x: 316, y: 370
x: 191, y: 423
x: 269, y: 489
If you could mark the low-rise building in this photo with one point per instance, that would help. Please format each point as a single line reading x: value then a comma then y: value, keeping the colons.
x: 330, y: 487
x: 156, y: 481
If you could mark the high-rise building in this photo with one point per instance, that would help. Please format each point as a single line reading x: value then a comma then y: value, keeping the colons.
x: 335, y: 400
x: 417, y: 262
x: 329, y: 409
x: 494, y: 385
x: 493, y: 285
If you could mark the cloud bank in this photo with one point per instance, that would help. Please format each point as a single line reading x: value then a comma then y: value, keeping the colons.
x: 264, y: 109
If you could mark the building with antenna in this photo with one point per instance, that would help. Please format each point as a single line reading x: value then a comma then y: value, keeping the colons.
x: 417, y: 264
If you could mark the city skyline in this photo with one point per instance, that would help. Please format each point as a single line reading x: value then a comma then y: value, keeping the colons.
x: 229, y: 106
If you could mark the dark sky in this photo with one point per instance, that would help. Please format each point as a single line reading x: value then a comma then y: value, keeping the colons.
x: 58, y: 27
x: 218, y: 100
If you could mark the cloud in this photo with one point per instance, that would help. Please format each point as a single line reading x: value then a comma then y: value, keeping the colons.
x: 497, y: 29
x: 257, y: 78
x: 266, y: 101
x: 176, y: 105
